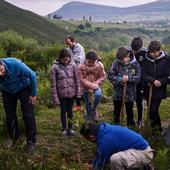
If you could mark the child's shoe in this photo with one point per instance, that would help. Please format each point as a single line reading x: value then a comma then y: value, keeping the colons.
x: 71, y: 132
x: 64, y: 132
x: 140, y: 124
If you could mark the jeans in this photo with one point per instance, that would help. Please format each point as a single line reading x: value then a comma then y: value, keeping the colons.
x: 88, y: 104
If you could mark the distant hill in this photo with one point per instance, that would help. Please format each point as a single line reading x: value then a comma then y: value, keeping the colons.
x: 29, y: 24
x: 150, y: 11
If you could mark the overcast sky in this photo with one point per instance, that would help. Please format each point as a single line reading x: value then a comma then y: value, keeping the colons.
x: 43, y: 7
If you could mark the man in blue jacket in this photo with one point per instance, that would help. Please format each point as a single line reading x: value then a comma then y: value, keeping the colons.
x: 123, y: 147
x: 17, y: 81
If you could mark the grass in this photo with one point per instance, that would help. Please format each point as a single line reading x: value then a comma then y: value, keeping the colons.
x: 55, y: 151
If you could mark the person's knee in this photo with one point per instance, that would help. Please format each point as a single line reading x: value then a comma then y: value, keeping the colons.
x: 114, y: 159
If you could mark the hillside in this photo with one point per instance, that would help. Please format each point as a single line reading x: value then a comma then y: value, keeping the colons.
x: 108, y: 36
x: 76, y: 10
x: 29, y: 24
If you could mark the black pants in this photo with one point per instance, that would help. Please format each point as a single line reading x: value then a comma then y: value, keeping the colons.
x: 129, y: 112
x: 66, y: 106
x: 139, y: 102
x: 154, y: 115
x: 10, y: 104
x: 78, y: 101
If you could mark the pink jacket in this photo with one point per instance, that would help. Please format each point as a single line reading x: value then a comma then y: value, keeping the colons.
x: 91, y: 77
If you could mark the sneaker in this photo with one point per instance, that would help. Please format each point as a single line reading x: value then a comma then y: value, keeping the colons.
x: 64, y: 132
x: 140, y: 124
x: 30, y: 147
x: 77, y: 108
x: 71, y: 132
x: 95, y: 116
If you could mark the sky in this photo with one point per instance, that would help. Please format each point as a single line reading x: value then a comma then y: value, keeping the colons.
x: 44, y: 7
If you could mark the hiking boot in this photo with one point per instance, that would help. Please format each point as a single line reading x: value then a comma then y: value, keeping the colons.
x: 95, y: 116
x: 30, y: 147
x: 71, y: 132
x: 64, y: 132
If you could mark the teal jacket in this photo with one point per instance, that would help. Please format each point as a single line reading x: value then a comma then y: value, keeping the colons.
x: 17, y: 77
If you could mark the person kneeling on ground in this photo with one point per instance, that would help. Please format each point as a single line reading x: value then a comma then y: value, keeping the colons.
x: 125, y: 148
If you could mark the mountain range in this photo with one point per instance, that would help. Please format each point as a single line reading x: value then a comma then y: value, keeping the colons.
x: 29, y: 24
x: 76, y: 10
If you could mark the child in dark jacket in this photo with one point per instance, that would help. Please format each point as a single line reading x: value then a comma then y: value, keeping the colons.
x: 155, y: 73
x: 124, y: 70
x: 65, y: 86
x: 139, y: 54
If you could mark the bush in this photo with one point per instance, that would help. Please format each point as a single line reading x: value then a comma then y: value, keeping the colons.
x: 88, y: 24
x: 81, y: 26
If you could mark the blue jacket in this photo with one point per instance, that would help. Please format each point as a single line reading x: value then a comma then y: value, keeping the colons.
x: 17, y: 77
x: 112, y: 139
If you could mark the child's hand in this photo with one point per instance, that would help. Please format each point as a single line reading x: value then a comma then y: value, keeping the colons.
x: 125, y: 78
x: 157, y: 83
x: 96, y: 86
x: 90, y: 166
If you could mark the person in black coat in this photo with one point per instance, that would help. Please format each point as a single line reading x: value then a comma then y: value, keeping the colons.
x: 155, y: 73
x: 139, y: 54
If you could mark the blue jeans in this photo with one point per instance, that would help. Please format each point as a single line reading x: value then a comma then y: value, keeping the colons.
x: 88, y: 104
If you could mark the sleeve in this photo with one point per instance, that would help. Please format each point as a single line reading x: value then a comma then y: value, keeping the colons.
x: 77, y: 80
x: 113, y: 75
x: 53, y: 82
x: 146, y: 77
x: 102, y: 75
x: 102, y: 157
x: 79, y: 55
x: 136, y: 75
x: 164, y: 80
x: 27, y: 72
x: 84, y: 81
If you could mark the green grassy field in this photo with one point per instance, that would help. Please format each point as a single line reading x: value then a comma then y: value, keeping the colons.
x: 57, y: 152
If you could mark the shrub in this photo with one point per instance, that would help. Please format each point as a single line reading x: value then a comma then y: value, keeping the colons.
x: 88, y: 24
x: 81, y: 26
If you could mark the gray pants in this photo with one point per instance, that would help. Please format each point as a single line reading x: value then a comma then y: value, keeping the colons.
x: 131, y: 158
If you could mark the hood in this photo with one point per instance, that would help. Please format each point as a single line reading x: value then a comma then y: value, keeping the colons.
x: 132, y: 60
x: 59, y: 62
x: 162, y: 55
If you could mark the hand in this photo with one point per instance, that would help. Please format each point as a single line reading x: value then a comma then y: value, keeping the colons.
x: 32, y: 99
x: 125, y: 78
x: 157, y: 83
x: 90, y: 166
x: 96, y: 86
